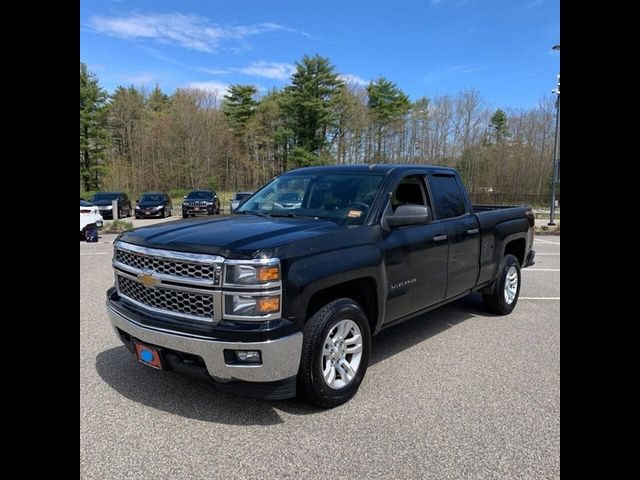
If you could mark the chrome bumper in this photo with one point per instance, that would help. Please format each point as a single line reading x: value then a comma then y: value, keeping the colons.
x: 280, y: 358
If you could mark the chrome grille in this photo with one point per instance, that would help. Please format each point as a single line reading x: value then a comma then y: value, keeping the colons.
x: 198, y: 204
x: 166, y: 266
x: 184, y: 303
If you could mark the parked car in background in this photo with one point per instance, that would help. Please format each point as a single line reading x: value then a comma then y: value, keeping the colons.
x: 200, y: 202
x: 238, y: 198
x: 89, y: 215
x: 103, y: 201
x: 153, y: 204
x: 287, y: 200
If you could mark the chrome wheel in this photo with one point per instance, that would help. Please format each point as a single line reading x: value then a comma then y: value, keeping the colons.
x: 511, y: 285
x: 341, y: 354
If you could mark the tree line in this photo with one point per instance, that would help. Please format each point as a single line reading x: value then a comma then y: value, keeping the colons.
x: 137, y: 140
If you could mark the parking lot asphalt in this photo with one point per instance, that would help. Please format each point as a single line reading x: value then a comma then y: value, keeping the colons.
x: 456, y: 393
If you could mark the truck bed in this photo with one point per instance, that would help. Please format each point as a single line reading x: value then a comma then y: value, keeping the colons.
x: 485, y: 208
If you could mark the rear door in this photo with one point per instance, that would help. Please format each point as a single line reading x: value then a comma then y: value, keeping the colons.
x: 463, y: 232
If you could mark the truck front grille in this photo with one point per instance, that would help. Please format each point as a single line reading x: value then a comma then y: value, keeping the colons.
x: 178, y: 284
x: 187, y: 304
x: 165, y: 265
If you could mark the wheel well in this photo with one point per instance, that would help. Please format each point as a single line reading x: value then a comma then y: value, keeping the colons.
x: 362, y: 290
x: 516, y: 248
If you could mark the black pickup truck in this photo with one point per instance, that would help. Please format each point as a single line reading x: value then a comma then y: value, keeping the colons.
x: 282, y: 299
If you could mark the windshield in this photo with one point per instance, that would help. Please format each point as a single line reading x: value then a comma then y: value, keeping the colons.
x: 104, y: 196
x: 152, y: 198
x: 343, y: 198
x: 200, y: 196
x: 242, y: 196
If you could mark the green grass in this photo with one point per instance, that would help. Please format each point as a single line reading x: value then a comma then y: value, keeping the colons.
x: 117, y: 226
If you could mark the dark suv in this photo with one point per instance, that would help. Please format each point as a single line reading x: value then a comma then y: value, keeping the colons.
x: 154, y: 204
x: 103, y: 201
x: 201, y: 202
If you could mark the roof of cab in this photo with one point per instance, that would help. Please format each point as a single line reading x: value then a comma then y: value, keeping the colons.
x: 383, y: 168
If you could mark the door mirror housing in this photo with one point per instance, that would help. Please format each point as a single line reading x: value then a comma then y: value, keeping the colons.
x: 406, y: 215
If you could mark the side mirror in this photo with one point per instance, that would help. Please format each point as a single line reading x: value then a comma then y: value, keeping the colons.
x: 409, y: 215
x: 184, y: 198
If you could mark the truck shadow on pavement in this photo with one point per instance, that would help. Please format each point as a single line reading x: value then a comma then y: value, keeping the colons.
x: 196, y: 399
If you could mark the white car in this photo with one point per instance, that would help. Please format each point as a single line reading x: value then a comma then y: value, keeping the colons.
x: 89, y: 214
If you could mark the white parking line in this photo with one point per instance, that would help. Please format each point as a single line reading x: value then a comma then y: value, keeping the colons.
x: 541, y: 270
x: 95, y: 253
x: 539, y: 298
x: 546, y: 241
x: 538, y: 254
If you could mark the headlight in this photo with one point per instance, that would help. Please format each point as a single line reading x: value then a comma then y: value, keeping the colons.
x: 110, y: 207
x: 252, y: 275
x: 251, y: 306
x: 137, y: 207
x: 158, y: 207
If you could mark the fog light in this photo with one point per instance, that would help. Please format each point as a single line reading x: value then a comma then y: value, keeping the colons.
x: 248, y: 356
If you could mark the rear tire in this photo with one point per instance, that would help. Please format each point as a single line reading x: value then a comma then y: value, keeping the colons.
x: 184, y: 215
x: 321, y: 328
x: 506, y: 290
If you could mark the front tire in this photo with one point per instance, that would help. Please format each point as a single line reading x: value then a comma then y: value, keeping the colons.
x: 506, y: 291
x: 335, y: 353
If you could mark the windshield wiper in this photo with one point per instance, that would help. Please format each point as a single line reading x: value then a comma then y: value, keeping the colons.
x: 283, y: 214
x: 252, y: 212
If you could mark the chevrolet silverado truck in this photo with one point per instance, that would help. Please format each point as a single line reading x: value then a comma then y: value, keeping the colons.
x: 274, y: 302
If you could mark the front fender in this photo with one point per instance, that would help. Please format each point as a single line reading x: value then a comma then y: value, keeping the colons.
x: 312, y: 274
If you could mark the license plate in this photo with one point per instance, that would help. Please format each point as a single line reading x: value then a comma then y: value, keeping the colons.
x: 148, y: 355
x: 196, y: 208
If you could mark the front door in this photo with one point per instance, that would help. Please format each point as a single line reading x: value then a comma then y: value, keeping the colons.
x: 415, y: 256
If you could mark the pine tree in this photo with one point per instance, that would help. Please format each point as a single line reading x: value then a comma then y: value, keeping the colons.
x: 388, y: 104
x: 94, y: 136
x: 239, y: 105
x: 157, y: 100
x: 498, y: 124
x: 309, y: 104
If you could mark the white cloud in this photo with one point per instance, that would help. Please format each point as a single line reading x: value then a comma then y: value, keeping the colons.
x: 273, y: 70
x: 188, y: 31
x: 213, y: 87
x: 353, y: 79
x: 139, y: 79
x: 213, y: 71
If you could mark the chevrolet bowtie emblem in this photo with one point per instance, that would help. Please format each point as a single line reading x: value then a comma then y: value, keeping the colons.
x: 148, y: 280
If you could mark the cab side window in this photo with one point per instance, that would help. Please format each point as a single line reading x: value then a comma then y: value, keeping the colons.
x: 410, y: 191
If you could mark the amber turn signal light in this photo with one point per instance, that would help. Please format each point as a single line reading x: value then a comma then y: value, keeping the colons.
x: 269, y: 274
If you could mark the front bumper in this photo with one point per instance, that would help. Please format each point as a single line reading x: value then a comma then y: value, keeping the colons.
x: 153, y: 213
x: 280, y: 357
x: 200, y: 211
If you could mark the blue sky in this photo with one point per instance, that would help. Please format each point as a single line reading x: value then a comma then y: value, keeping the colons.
x: 428, y: 47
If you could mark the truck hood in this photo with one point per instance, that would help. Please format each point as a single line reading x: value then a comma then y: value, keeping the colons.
x: 237, y: 236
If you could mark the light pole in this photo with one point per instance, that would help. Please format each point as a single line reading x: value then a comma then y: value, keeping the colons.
x: 556, y: 151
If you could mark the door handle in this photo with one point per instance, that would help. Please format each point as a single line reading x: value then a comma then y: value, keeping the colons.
x: 439, y: 238
x: 472, y: 231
